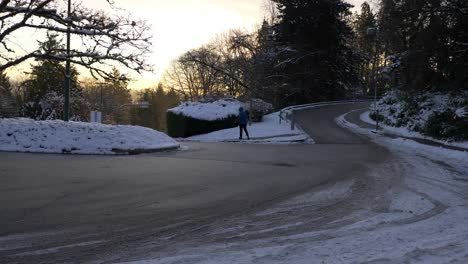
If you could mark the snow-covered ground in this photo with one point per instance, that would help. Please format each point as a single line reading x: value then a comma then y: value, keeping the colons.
x: 267, y: 131
x: 56, y: 136
x: 208, y: 111
x: 411, y: 209
x: 405, y: 132
x: 436, y: 183
x: 436, y: 114
x: 395, y: 107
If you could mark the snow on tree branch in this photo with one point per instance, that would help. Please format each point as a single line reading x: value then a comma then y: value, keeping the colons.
x: 104, y: 39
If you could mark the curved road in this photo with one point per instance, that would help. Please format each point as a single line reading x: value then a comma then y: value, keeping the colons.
x: 69, y: 209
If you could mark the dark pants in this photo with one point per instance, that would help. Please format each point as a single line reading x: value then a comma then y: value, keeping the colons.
x: 243, y: 127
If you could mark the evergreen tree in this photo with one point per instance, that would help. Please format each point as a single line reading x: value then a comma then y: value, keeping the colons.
x: 4, y: 82
x: 172, y: 100
x: 427, y: 40
x: 116, y: 99
x: 48, y: 75
x: 155, y: 115
x: 44, y: 90
x: 456, y: 68
x: 315, y: 55
x: 365, y: 26
x: 7, y: 101
x: 145, y: 117
x: 160, y: 103
x: 264, y: 61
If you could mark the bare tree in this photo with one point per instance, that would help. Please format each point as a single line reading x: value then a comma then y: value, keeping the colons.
x: 233, y: 63
x: 192, y: 79
x: 113, y: 40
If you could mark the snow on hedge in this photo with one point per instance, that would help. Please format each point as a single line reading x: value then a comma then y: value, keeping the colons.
x: 415, y: 111
x: 439, y: 115
x: 406, y: 132
x: 56, y: 136
x: 216, y: 110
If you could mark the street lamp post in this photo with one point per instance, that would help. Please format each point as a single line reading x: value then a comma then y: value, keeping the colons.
x: 101, y: 100
x: 373, y: 32
x: 66, y: 113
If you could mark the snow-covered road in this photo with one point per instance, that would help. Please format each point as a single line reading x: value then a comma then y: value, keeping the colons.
x: 347, y: 199
x: 411, y: 209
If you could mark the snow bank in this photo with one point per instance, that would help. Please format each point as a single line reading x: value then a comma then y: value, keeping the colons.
x: 267, y: 131
x: 56, y: 136
x: 424, y: 113
x: 412, y: 112
x: 216, y: 110
x: 405, y: 132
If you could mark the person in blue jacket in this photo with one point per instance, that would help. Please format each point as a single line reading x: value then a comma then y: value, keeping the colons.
x: 243, y: 120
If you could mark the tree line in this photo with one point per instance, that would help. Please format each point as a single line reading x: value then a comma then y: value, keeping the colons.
x: 308, y: 51
x: 304, y: 51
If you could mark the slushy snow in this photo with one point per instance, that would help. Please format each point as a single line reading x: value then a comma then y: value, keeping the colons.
x: 419, y: 216
x: 56, y: 136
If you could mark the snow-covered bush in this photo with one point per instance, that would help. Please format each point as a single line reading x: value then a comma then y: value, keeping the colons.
x: 216, y: 110
x: 258, y: 108
x: 193, y: 118
x: 210, y: 98
x: 447, y: 125
x: 51, y: 108
x: 438, y: 115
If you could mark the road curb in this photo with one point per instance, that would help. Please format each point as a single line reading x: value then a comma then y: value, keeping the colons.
x: 143, y: 151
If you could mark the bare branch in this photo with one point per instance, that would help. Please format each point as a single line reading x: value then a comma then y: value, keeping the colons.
x: 105, y: 40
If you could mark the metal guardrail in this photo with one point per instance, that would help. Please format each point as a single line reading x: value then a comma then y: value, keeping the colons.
x: 288, y: 112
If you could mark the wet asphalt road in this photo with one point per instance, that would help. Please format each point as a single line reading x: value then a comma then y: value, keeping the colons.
x: 76, y: 209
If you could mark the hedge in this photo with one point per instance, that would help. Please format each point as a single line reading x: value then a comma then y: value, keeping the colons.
x: 183, y: 126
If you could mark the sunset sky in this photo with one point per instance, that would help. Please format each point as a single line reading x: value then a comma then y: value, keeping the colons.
x: 180, y: 25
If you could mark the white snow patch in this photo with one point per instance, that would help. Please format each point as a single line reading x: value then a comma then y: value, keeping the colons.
x: 410, y: 202
x: 56, y: 136
x: 24, y: 240
x: 338, y: 191
x: 267, y: 131
x: 406, y: 205
x: 461, y: 112
x: 414, y: 112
